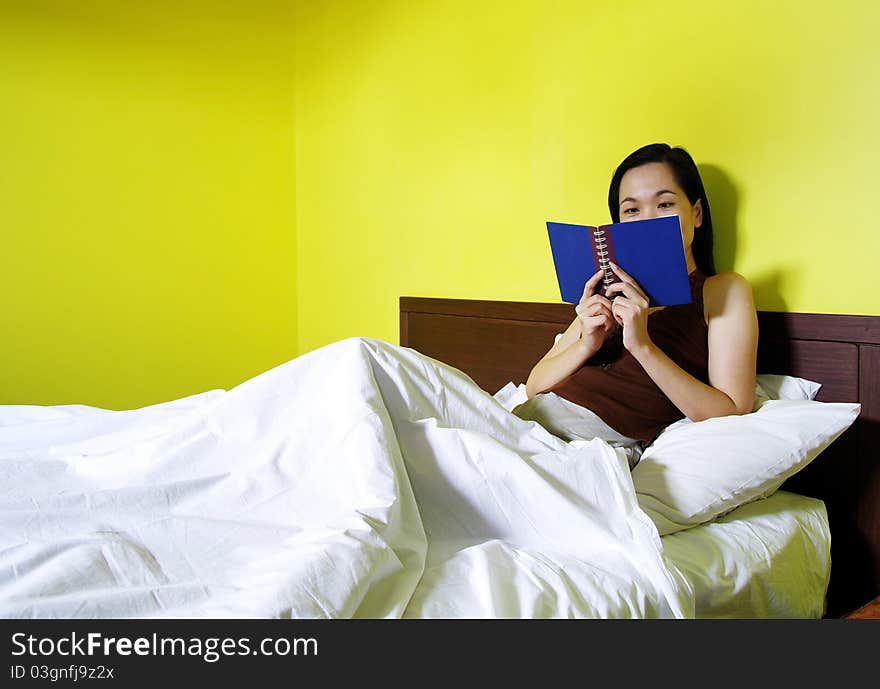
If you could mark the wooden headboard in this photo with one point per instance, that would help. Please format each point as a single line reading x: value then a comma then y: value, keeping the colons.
x: 499, y: 341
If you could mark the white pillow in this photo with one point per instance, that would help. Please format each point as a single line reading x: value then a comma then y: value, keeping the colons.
x: 694, y: 472
x: 511, y: 395
x: 775, y: 387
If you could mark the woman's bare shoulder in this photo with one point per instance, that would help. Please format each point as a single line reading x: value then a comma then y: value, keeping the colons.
x: 727, y: 280
x: 727, y: 290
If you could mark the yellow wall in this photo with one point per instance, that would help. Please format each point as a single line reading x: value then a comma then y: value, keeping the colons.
x: 435, y: 138
x: 147, y: 198
x: 193, y: 192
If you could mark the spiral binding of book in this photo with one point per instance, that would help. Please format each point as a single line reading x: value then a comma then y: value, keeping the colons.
x: 603, y: 258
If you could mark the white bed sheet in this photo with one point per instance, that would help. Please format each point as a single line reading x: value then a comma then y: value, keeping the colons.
x: 767, y: 559
x: 359, y: 480
x: 364, y: 480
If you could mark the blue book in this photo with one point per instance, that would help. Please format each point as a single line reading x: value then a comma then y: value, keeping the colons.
x: 651, y: 251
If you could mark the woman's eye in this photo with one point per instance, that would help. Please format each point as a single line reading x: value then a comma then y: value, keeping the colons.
x: 627, y: 210
x: 666, y: 204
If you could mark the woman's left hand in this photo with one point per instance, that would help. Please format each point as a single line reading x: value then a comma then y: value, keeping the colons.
x: 632, y: 312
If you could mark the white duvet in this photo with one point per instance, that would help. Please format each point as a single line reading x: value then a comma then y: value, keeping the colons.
x: 361, y: 479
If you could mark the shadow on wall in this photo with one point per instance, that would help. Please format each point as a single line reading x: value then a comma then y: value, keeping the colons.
x: 724, y: 203
x: 724, y: 199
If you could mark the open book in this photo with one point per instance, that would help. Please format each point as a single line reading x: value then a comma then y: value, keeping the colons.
x: 651, y: 251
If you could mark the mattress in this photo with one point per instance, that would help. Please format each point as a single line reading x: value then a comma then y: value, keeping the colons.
x: 768, y: 558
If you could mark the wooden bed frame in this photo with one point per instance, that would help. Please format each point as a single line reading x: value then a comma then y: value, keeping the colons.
x: 499, y: 341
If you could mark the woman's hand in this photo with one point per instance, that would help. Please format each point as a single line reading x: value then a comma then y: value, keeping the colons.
x: 595, y: 315
x: 631, y: 313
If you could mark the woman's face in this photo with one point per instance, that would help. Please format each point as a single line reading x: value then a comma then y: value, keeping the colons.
x: 650, y: 191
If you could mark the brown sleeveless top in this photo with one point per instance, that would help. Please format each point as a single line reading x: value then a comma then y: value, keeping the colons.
x: 613, y: 384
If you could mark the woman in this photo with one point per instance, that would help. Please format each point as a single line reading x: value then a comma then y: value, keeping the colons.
x: 640, y: 368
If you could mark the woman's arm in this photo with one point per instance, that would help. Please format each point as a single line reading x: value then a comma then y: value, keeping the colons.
x: 733, y: 346
x: 582, y: 339
x: 565, y: 356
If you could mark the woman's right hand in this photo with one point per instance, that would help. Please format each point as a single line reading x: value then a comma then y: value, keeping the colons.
x: 584, y: 336
x: 594, y: 313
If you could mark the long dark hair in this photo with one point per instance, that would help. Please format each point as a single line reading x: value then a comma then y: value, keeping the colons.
x: 688, y: 177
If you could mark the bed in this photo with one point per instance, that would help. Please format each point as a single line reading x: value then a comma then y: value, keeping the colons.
x: 497, y: 342
x: 379, y: 480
